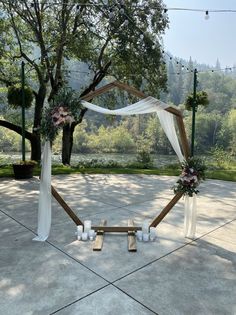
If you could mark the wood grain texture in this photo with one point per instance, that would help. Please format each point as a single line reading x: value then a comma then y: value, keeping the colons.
x: 166, y: 210
x: 65, y: 206
x: 132, y: 246
x: 100, y: 237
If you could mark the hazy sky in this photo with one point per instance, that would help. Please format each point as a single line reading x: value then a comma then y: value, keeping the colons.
x: 189, y: 34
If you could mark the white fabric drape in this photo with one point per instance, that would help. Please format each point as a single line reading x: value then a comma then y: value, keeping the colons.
x: 167, y: 123
x: 147, y: 105
x: 190, y: 216
x: 44, y: 207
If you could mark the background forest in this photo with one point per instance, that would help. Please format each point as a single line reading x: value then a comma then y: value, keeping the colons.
x: 215, y: 123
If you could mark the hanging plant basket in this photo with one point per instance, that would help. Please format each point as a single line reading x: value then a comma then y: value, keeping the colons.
x: 14, y: 96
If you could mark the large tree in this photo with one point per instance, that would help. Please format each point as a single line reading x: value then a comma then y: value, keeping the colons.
x: 119, y: 38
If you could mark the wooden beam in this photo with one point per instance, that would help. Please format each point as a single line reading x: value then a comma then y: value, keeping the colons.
x: 129, y: 89
x: 98, y: 92
x: 183, y: 137
x: 65, y: 206
x: 132, y: 247
x: 166, y: 210
x: 117, y: 229
x: 100, y: 235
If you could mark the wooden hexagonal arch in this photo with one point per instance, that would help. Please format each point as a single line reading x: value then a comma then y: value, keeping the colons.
x: 130, y: 229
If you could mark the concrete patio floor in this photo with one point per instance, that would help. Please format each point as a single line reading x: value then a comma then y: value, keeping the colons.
x: 63, y: 276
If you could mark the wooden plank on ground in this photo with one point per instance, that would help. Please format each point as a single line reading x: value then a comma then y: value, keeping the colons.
x: 117, y: 229
x: 100, y: 236
x: 132, y: 247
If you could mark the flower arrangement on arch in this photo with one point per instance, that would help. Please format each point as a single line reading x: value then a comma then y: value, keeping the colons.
x: 61, y: 116
x: 193, y: 172
x: 62, y: 110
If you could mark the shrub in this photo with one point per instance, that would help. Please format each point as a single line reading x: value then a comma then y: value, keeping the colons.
x: 221, y: 157
x: 144, y: 152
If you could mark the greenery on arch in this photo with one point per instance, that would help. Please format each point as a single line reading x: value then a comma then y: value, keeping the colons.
x: 193, y: 172
x: 62, y: 110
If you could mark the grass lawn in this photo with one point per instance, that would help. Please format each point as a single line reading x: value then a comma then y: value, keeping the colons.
x: 228, y: 175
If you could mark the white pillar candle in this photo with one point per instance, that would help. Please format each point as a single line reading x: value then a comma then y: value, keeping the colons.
x: 145, y: 227
x: 87, y: 225
x: 145, y: 237
x: 91, y: 234
x: 153, y: 233
x: 84, y: 236
x: 139, y: 235
x: 79, y: 230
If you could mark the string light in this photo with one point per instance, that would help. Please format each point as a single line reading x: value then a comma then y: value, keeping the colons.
x: 122, y: 10
x: 120, y: 5
x: 207, y: 15
x: 165, y: 13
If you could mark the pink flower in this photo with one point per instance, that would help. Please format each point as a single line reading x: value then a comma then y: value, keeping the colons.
x: 61, y: 116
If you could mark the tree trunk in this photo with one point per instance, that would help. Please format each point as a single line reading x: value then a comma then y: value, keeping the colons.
x: 67, y: 143
x: 67, y: 137
x: 36, y: 147
x: 36, y: 139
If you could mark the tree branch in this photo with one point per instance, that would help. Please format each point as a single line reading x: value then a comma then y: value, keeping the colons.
x: 16, y: 128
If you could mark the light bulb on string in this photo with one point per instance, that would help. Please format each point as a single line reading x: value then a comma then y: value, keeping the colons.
x: 126, y: 22
x: 111, y: 15
x: 207, y: 15
x: 165, y: 16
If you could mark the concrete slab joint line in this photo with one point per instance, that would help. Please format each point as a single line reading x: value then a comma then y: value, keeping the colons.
x: 170, y: 276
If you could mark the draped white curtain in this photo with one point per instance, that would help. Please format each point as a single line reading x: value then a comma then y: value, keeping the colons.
x: 147, y: 105
x: 167, y: 123
x: 44, y: 207
x: 190, y: 216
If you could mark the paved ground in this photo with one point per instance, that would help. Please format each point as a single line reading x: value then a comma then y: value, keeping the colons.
x: 172, y: 275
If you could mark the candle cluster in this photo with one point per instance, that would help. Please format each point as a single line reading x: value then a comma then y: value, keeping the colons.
x: 85, y: 232
x: 146, y: 234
